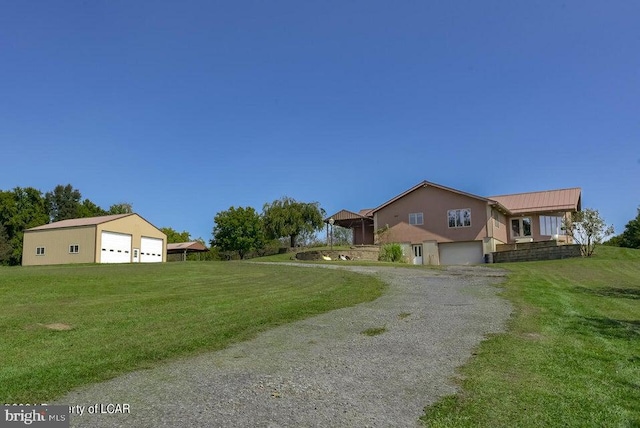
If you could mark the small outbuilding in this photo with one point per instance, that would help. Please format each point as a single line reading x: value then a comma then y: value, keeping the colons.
x: 118, y: 238
x: 178, y: 251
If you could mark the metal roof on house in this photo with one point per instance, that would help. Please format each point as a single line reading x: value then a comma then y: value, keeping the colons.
x: 78, y: 222
x: 545, y: 201
x: 189, y: 246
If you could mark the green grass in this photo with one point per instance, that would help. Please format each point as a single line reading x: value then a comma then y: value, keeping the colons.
x: 127, y: 317
x: 571, y: 356
x: 374, y: 331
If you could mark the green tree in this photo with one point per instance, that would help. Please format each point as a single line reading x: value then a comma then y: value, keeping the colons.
x: 614, y: 241
x: 238, y: 229
x: 173, y: 236
x: 6, y: 250
x: 210, y: 255
x: 121, y: 208
x: 20, y: 209
x: 288, y: 217
x: 587, y: 229
x: 63, y: 202
x: 630, y: 238
x: 342, y: 236
x: 89, y: 209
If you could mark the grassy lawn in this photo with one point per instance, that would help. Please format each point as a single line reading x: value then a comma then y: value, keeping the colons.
x: 126, y: 317
x: 571, y: 356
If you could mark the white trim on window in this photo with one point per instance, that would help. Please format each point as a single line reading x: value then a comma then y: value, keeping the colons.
x: 416, y: 218
x: 74, y: 249
x: 39, y: 251
x: 551, y: 225
x: 521, y: 227
x: 459, y: 218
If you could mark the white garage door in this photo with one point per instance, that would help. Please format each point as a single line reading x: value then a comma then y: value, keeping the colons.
x: 115, y: 248
x: 461, y: 253
x: 150, y: 250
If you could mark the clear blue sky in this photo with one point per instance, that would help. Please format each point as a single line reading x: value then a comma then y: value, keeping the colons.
x: 186, y: 108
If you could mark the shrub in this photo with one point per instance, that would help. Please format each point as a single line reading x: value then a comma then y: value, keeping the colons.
x: 391, y: 253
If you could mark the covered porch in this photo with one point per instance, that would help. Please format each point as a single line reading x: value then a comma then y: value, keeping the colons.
x: 360, y: 224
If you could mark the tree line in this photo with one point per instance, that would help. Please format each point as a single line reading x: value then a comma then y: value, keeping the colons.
x: 26, y: 207
x: 240, y: 230
x: 243, y: 230
x: 630, y: 238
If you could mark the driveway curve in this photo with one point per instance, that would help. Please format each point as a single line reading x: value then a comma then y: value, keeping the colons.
x: 322, y: 371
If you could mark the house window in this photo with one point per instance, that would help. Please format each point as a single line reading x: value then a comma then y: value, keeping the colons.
x: 551, y: 225
x: 416, y: 218
x: 521, y: 227
x: 40, y: 251
x: 497, y: 219
x: 74, y: 249
x: 459, y: 218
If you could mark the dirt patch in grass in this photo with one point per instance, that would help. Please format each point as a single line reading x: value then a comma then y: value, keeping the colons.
x: 57, y: 326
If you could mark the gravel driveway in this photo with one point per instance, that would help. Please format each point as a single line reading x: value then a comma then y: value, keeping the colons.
x: 322, y: 371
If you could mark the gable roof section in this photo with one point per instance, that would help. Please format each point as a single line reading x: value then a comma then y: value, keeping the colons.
x: 189, y: 246
x: 344, y: 215
x: 367, y: 212
x: 438, y: 186
x: 546, y: 201
x: 79, y: 222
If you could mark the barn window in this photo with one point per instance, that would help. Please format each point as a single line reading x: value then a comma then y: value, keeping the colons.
x: 39, y: 251
x: 74, y: 249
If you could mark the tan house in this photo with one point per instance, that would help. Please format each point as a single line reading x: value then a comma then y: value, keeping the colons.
x: 440, y: 225
x: 119, y: 238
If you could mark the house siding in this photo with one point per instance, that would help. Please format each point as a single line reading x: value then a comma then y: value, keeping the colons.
x: 56, y: 243
x: 500, y: 226
x: 434, y: 203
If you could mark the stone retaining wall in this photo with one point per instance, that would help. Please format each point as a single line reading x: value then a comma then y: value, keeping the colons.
x: 533, y: 253
x: 365, y: 253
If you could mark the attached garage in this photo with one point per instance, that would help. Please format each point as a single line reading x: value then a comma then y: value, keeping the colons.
x: 115, y: 248
x: 151, y: 250
x: 119, y: 238
x: 461, y: 253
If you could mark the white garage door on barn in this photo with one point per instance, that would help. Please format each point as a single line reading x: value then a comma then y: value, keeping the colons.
x: 115, y: 248
x: 151, y: 250
x: 461, y: 253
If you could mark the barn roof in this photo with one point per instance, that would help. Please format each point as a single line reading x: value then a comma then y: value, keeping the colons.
x: 78, y: 222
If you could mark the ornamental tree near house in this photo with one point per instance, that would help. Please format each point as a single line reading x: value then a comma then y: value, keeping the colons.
x: 288, y: 217
x: 587, y: 229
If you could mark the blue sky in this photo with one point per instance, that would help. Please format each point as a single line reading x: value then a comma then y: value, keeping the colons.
x: 187, y: 108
